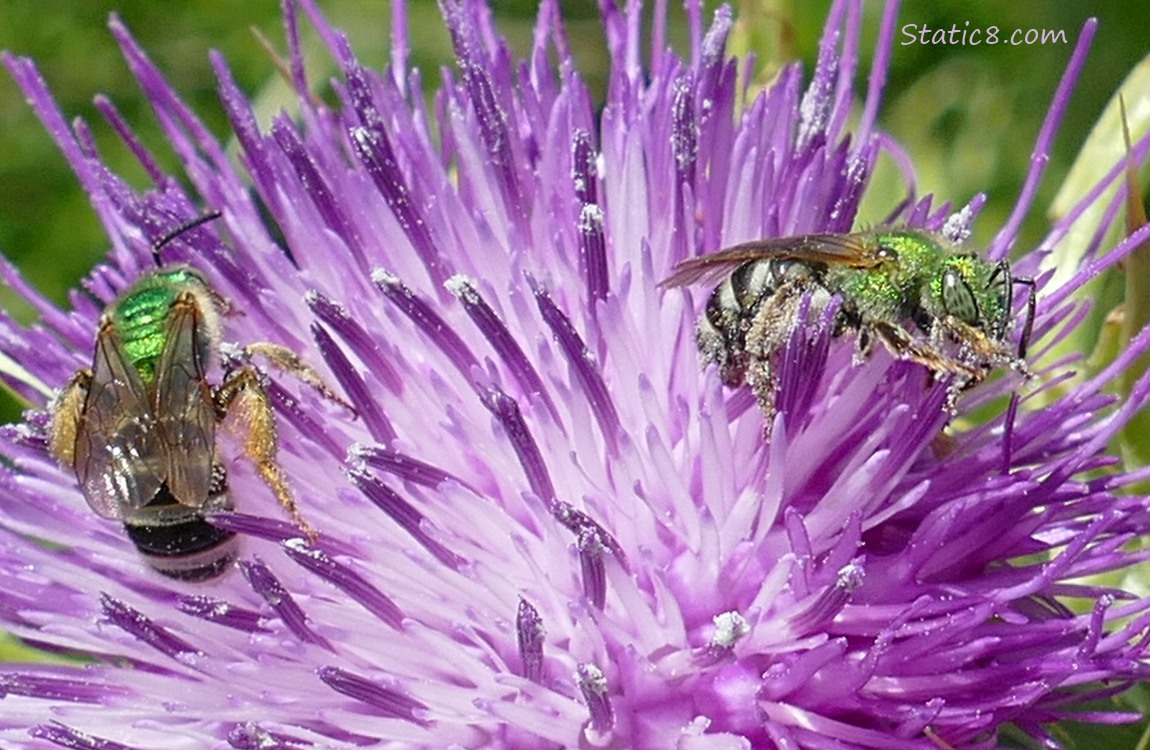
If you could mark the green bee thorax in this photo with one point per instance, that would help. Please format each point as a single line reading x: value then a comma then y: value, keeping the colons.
x: 142, y: 316
x: 892, y: 290
x: 875, y: 293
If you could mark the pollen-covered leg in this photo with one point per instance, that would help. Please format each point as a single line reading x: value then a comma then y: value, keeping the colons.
x: 764, y: 384
x: 902, y: 345
x: 243, y: 396
x: 67, y: 411
x: 774, y: 321
x: 714, y: 347
x: 771, y: 328
x: 984, y: 348
x: 291, y: 363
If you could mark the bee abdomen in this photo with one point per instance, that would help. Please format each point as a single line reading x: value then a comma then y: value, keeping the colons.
x: 178, y: 541
x: 731, y: 307
x: 187, y: 550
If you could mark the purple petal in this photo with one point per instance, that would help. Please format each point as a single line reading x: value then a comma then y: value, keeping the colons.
x: 348, y: 581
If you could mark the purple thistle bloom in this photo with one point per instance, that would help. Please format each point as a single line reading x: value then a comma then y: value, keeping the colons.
x: 547, y: 526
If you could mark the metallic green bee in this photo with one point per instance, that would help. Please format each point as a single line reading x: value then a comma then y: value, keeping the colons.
x: 912, y: 290
x: 139, y: 428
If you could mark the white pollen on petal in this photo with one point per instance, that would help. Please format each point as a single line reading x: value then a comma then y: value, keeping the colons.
x: 591, y: 218
x: 361, y: 135
x: 383, y: 277
x: 730, y: 627
x: 462, y: 286
x: 957, y: 226
x: 299, y: 544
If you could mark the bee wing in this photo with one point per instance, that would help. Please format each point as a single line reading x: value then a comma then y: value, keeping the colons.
x: 855, y: 251
x: 184, y: 408
x: 119, y: 454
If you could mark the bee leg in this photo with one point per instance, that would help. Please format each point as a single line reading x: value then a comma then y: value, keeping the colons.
x: 763, y: 384
x: 733, y: 369
x: 291, y: 363
x: 721, y: 350
x: 243, y: 395
x: 974, y: 340
x: 903, y: 346
x: 985, y: 348
x: 864, y: 346
x: 774, y: 322
x: 67, y: 409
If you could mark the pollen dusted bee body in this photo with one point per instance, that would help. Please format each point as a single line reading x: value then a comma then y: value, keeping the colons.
x: 139, y: 428
x: 909, y: 289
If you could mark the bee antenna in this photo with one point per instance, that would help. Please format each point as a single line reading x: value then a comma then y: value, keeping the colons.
x: 186, y: 226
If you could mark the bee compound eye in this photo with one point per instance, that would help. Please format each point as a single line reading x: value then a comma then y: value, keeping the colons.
x: 957, y: 298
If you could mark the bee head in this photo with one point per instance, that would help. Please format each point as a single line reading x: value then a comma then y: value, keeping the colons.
x: 977, y: 293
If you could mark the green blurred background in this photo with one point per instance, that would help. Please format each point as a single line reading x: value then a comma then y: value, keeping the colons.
x: 967, y: 114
